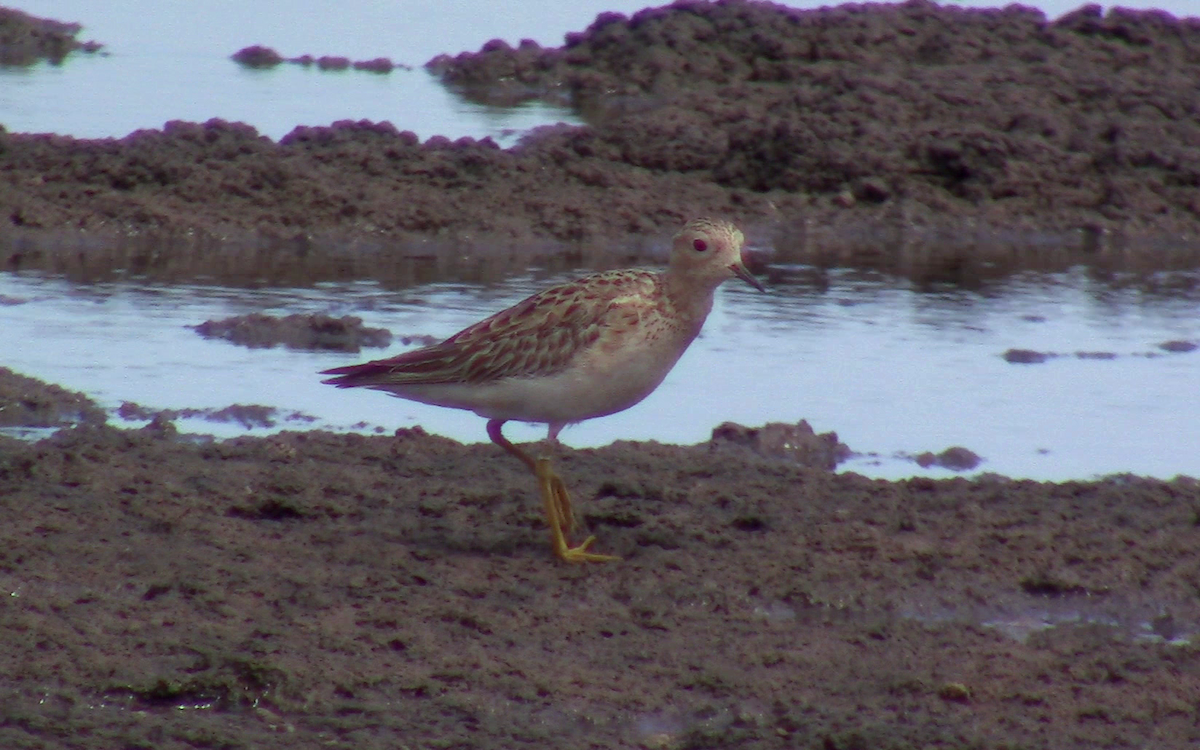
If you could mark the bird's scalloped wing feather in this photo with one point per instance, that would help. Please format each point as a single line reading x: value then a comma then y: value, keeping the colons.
x: 537, y: 336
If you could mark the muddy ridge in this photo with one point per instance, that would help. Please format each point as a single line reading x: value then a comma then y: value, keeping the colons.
x: 931, y: 109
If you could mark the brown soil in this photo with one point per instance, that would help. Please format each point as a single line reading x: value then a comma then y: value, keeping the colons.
x: 312, y: 589
x: 315, y: 589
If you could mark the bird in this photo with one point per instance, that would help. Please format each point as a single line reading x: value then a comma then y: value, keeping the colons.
x: 575, y: 351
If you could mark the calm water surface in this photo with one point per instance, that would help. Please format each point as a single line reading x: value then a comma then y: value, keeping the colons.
x: 895, y: 371
x: 891, y: 368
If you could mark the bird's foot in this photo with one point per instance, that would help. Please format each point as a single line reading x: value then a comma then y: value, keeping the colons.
x: 580, y: 554
x: 561, y: 519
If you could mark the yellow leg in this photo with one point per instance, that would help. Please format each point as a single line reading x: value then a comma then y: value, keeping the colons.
x: 555, y: 498
x: 561, y: 498
x: 558, y: 515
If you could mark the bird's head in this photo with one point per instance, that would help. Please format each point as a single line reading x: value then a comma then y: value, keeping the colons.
x: 710, y: 251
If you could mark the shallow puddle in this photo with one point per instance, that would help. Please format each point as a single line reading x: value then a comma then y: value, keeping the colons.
x: 174, y: 64
x: 894, y: 369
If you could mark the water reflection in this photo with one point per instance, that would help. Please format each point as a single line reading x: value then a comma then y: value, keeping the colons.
x: 783, y: 251
x: 894, y: 366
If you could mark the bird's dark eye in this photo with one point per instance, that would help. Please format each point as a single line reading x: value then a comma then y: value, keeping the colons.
x: 699, y: 245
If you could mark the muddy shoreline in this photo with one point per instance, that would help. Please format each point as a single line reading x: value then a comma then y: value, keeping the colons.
x: 370, y: 590
x: 835, y: 135
x: 312, y: 588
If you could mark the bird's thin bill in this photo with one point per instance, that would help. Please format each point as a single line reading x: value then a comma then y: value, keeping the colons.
x: 740, y: 271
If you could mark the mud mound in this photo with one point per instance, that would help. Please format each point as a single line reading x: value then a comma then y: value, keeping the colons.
x: 306, y: 332
x: 28, y: 402
x: 360, y: 178
x: 259, y: 56
x: 999, y: 110
x: 26, y: 39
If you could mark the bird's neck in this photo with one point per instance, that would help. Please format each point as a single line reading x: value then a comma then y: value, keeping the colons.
x: 691, y: 298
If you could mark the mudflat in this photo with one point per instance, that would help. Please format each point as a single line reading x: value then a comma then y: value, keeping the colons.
x: 342, y: 590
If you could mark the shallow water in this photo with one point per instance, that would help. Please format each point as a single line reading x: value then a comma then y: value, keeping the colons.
x: 172, y: 62
x: 893, y: 369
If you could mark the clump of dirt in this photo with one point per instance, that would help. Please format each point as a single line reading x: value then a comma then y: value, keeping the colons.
x: 309, y: 331
x: 1026, y: 356
x: 248, y: 416
x: 776, y: 440
x: 955, y: 458
x: 258, y: 56
x: 28, y: 402
x: 363, y: 179
x: 1178, y: 346
x: 1032, y: 357
x: 26, y: 39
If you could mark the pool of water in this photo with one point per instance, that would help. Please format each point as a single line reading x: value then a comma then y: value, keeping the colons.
x: 894, y: 369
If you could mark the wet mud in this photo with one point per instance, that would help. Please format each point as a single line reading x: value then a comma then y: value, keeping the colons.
x: 28, y: 402
x: 26, y: 39
x: 246, y: 415
x: 383, y: 591
x: 307, y: 332
x: 345, y: 590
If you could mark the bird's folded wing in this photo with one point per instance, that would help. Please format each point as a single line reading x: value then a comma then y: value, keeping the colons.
x: 538, y: 336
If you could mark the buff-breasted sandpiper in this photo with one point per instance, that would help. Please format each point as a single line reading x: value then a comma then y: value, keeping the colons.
x: 576, y: 351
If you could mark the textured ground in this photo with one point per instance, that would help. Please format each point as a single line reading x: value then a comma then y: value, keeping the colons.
x: 312, y: 589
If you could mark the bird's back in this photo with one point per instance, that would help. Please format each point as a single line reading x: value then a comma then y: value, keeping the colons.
x: 539, y: 336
